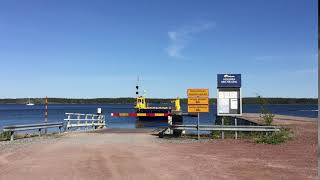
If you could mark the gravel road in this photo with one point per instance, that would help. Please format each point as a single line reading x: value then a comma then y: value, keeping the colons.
x: 113, y: 154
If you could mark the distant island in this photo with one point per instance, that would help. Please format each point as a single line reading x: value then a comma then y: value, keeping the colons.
x: 130, y: 100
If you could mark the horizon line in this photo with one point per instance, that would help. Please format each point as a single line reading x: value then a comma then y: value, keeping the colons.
x: 151, y: 97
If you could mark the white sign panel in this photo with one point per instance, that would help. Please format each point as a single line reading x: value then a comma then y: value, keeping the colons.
x: 223, y: 105
x: 221, y: 95
x: 234, y: 103
x: 229, y: 102
x: 233, y: 94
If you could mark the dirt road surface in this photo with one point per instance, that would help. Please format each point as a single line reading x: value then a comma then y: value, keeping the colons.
x: 126, y: 155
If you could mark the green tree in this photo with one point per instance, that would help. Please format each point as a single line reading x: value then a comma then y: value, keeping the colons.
x: 265, y: 114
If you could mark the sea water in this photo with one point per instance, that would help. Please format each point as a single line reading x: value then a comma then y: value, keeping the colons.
x: 12, y: 114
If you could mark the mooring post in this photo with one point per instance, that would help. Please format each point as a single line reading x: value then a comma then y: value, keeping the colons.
x: 236, y: 132
x: 198, y: 126
x: 222, y: 132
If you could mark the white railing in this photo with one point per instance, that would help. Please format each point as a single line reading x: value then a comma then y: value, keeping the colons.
x: 77, y: 120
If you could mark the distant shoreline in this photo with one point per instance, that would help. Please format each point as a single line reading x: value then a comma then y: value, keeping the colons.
x: 130, y: 100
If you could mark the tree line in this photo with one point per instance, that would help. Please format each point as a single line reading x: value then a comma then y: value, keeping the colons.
x: 129, y: 100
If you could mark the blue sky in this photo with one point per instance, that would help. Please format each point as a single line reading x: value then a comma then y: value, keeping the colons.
x: 97, y: 48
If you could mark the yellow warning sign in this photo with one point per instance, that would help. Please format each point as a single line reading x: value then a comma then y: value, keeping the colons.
x: 198, y: 108
x: 202, y: 100
x: 198, y: 92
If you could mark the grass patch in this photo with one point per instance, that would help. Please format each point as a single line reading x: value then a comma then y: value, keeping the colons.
x: 218, y: 135
x: 259, y: 137
x: 215, y: 134
x: 4, y: 136
x: 275, y: 137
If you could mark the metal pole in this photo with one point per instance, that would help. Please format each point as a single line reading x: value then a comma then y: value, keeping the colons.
x: 222, y: 132
x: 236, y: 132
x: 11, y: 135
x: 198, y: 126
x: 46, y: 113
x: 170, y: 124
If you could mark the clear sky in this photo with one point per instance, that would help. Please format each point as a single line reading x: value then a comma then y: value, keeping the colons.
x: 92, y: 48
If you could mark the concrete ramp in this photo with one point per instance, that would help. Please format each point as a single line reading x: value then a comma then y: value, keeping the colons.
x: 123, y: 130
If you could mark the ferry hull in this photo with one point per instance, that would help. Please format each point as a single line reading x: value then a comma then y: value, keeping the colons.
x: 153, y: 110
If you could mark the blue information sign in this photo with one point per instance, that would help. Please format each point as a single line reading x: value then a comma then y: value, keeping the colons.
x: 229, y: 80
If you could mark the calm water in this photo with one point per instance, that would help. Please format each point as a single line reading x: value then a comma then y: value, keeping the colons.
x: 22, y: 114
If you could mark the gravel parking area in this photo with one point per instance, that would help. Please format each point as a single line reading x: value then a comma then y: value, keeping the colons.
x: 109, y: 154
x: 8, y: 146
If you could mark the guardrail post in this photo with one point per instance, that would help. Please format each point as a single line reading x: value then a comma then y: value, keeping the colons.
x: 198, y: 122
x: 11, y: 135
x: 236, y: 132
x: 222, y: 132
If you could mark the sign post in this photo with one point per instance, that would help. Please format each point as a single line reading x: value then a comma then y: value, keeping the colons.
x: 229, y: 98
x: 198, y: 101
x: 198, y: 123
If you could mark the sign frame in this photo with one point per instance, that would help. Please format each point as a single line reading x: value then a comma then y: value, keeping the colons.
x: 228, y: 80
x: 198, y: 100
x: 196, y: 96
x: 205, y: 90
x: 192, y: 108
x: 240, y: 104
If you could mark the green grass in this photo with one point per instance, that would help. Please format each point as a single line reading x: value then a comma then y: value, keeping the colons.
x: 4, y: 136
x: 259, y: 137
x: 275, y: 137
x: 217, y: 134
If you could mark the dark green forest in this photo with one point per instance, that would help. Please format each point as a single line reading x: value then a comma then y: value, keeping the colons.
x: 128, y: 100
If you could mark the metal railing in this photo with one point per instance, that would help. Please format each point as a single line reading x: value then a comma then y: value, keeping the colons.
x: 84, y: 120
x: 227, y: 128
x: 25, y: 127
x: 222, y: 128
